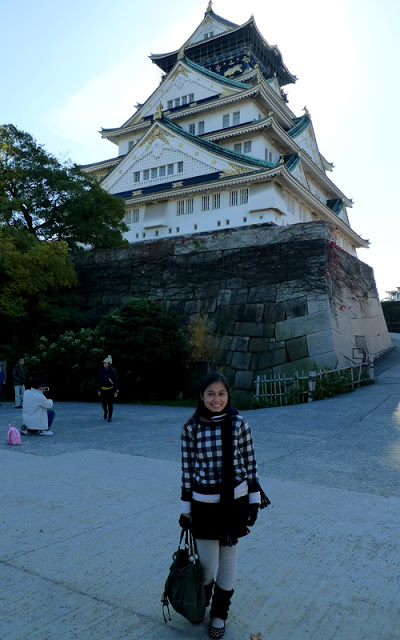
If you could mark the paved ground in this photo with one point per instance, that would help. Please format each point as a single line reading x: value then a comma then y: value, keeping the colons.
x: 88, y: 523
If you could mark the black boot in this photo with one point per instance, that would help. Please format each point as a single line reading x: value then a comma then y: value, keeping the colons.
x: 219, y: 609
x: 208, y: 589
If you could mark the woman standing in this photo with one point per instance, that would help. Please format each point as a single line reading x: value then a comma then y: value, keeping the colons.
x: 220, y: 491
x: 107, y: 387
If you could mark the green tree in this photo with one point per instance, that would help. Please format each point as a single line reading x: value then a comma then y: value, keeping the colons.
x: 148, y: 347
x: 30, y: 273
x: 54, y: 200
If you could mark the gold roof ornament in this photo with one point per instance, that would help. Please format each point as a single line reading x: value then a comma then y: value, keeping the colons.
x: 209, y: 8
x: 158, y: 113
x: 306, y: 111
x: 181, y: 53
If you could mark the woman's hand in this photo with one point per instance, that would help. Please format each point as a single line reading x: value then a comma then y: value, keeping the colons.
x: 99, y: 393
x: 185, y: 521
x: 252, y: 513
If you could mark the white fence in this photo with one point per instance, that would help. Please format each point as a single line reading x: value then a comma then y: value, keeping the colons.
x: 282, y: 390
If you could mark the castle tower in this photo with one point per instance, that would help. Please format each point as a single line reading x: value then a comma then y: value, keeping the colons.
x: 216, y: 145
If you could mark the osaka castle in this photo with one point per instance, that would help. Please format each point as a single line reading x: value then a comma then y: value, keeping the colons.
x: 216, y: 145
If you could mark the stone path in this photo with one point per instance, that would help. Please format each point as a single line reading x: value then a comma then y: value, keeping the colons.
x: 88, y: 523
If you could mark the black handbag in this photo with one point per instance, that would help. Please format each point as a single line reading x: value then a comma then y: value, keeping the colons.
x: 184, y: 589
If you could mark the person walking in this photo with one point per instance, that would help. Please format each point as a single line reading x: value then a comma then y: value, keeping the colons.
x: 19, y: 376
x: 220, y: 491
x: 107, y: 387
x: 38, y: 413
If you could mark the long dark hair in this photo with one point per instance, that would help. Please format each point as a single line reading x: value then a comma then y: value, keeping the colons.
x: 208, y: 379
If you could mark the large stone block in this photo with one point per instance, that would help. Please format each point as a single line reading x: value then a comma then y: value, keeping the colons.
x: 255, y: 329
x: 243, y: 380
x: 240, y: 343
x: 274, y: 311
x: 263, y: 293
x: 297, y: 348
x: 272, y: 358
x: 321, y: 342
x: 296, y: 307
x: 239, y: 296
x: 251, y: 312
x: 304, y: 325
x: 258, y: 345
x: 241, y: 360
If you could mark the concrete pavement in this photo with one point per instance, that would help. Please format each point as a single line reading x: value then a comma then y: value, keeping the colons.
x: 89, y: 522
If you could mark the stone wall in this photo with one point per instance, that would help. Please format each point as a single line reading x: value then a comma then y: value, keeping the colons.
x: 279, y: 299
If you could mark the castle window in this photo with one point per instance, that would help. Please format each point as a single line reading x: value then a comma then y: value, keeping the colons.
x: 161, y: 171
x: 136, y: 176
x: 143, y: 235
x: 131, y: 144
x: 205, y: 203
x: 170, y: 104
x: 216, y: 201
x: 234, y: 198
x: 225, y: 121
x: 132, y: 216
x: 236, y: 117
x: 268, y: 155
x: 195, y: 227
x: 170, y: 169
x: 156, y: 232
x: 244, y: 219
x: 227, y: 221
x: 200, y: 127
x: 237, y: 147
x: 177, y: 229
x: 192, y: 129
x: 218, y: 223
x: 247, y: 146
x: 146, y: 174
x: 169, y: 230
x: 191, y: 97
x: 137, y: 235
x: 184, y: 99
x: 184, y: 207
x: 177, y: 102
x: 154, y: 172
x: 180, y: 167
x: 244, y: 196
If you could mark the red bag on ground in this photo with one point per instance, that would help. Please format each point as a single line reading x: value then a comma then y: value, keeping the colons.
x: 13, y: 435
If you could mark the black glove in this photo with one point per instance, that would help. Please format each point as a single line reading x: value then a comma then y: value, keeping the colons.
x: 185, y: 523
x: 252, y: 514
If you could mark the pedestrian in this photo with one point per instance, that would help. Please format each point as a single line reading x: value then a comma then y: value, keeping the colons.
x: 2, y: 380
x: 19, y: 376
x: 38, y: 414
x: 220, y: 491
x: 107, y: 387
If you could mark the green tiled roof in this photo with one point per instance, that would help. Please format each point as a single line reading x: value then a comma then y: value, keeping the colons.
x: 216, y: 148
x: 300, y: 125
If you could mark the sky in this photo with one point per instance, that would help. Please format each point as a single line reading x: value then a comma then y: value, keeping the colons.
x: 72, y: 67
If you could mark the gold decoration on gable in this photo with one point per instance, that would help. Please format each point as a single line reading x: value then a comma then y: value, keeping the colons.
x: 236, y: 170
x: 156, y: 134
x: 137, y: 193
x: 177, y: 184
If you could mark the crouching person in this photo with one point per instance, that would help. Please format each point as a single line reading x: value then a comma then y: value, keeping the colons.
x: 38, y: 414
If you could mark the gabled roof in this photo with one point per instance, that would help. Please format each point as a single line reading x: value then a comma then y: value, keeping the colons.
x: 209, y: 21
x: 249, y: 32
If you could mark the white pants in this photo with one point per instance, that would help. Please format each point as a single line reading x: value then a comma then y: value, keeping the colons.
x: 211, y: 554
x: 19, y: 394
